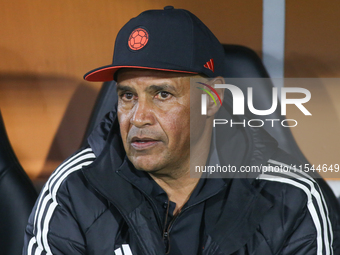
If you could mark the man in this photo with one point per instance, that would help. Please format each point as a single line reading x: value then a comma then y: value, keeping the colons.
x: 130, y: 190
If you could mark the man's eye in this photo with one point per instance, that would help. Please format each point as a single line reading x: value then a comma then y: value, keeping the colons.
x: 127, y: 96
x: 163, y: 95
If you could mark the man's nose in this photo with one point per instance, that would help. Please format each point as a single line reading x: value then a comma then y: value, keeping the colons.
x: 143, y: 113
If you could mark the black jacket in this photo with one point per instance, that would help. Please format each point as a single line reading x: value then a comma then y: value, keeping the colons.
x: 97, y: 203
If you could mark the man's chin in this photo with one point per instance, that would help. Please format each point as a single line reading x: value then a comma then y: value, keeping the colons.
x: 146, y: 163
x: 148, y: 170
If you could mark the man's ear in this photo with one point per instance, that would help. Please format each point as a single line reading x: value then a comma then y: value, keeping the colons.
x: 213, y: 108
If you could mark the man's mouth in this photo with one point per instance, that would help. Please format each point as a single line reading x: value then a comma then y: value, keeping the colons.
x: 142, y: 143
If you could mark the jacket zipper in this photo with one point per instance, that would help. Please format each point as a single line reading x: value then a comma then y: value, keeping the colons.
x: 166, y: 233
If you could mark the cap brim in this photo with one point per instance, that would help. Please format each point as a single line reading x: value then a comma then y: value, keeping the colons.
x: 106, y: 73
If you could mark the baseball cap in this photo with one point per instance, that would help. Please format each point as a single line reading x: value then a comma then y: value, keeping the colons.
x: 167, y: 40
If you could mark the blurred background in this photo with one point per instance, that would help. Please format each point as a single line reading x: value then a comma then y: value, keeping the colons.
x: 47, y: 46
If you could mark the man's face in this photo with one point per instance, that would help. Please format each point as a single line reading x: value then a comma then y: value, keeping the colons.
x: 154, y: 115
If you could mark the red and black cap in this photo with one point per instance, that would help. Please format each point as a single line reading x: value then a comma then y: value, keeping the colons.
x: 168, y: 40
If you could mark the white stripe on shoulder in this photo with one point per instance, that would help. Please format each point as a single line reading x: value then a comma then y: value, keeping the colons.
x: 126, y: 249
x: 309, y: 189
x: 48, y: 198
x: 30, y: 245
x: 53, y: 187
x: 60, y: 168
x: 118, y: 252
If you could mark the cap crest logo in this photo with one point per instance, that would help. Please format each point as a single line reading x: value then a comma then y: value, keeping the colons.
x: 210, y: 65
x: 138, y: 39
